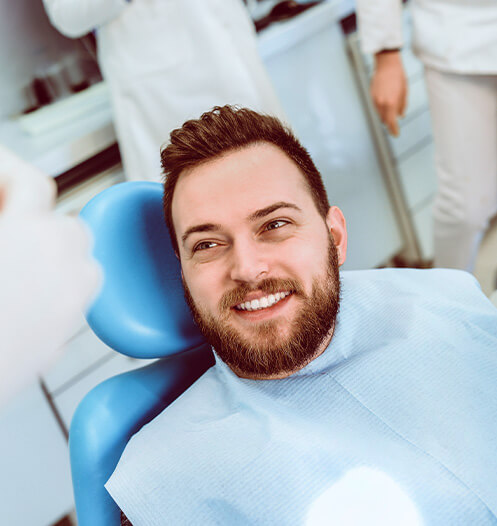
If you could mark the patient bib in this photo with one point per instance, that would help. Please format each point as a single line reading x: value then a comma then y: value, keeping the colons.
x: 394, y: 424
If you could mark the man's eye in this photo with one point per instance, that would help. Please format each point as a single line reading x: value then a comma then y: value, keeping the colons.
x: 276, y: 224
x: 204, y: 245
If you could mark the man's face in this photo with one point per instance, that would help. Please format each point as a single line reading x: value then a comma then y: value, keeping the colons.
x: 260, y: 265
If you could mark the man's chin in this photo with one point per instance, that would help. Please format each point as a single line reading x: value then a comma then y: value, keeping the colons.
x: 265, y: 334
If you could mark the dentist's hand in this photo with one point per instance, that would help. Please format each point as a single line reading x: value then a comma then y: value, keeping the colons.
x: 389, y: 89
x: 47, y: 276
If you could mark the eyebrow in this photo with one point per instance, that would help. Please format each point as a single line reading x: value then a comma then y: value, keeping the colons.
x: 263, y: 212
x: 204, y: 227
x: 258, y: 214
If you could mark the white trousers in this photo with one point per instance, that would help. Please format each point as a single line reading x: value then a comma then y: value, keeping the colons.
x: 464, y: 120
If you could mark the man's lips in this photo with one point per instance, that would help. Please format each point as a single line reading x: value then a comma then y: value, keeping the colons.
x: 262, y: 301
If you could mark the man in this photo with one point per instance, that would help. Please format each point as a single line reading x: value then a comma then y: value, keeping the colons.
x: 309, y: 416
x: 457, y: 43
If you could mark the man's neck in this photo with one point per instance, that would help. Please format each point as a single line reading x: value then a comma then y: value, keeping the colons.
x: 285, y: 374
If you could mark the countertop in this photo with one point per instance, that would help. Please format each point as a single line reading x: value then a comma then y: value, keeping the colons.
x: 65, y: 134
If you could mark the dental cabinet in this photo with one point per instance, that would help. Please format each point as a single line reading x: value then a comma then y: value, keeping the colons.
x: 407, y: 160
x: 319, y: 75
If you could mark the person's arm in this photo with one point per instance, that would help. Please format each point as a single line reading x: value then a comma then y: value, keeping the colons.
x: 47, y: 276
x: 389, y: 89
x: 380, y: 31
x: 75, y: 18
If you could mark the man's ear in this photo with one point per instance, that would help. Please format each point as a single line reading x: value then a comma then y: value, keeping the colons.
x: 338, y: 229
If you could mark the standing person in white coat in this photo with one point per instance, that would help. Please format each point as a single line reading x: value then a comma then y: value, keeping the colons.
x: 457, y: 42
x: 47, y: 276
x: 166, y: 61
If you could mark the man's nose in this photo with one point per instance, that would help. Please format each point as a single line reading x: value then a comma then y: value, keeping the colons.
x: 248, y: 262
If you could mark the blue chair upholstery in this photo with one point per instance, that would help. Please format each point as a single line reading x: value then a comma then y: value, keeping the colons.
x: 141, y: 312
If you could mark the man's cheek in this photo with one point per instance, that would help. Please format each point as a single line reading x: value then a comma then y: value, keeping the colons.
x: 304, y: 261
x: 204, y: 300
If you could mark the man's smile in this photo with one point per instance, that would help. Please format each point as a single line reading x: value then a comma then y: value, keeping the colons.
x: 263, y: 302
x: 266, y: 307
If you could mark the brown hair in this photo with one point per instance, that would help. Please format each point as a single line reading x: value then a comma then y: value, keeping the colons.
x: 228, y: 128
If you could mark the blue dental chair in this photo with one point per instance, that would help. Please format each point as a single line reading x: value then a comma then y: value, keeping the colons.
x: 140, y: 312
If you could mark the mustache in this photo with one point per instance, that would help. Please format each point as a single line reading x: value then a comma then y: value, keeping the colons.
x: 267, y: 286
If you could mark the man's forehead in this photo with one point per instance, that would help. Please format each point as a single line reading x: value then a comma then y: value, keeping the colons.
x: 250, y: 178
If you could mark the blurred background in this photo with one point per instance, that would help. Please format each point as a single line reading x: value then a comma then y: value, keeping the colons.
x: 56, y: 112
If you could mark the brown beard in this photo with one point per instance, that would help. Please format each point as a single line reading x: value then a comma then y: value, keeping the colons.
x: 268, y: 353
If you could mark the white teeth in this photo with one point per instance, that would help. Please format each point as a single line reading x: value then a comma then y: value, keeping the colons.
x: 262, y: 303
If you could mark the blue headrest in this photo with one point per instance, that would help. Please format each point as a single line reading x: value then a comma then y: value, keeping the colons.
x: 140, y: 310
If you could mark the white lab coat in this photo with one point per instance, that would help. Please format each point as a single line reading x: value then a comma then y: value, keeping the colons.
x: 456, y: 36
x: 167, y: 61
